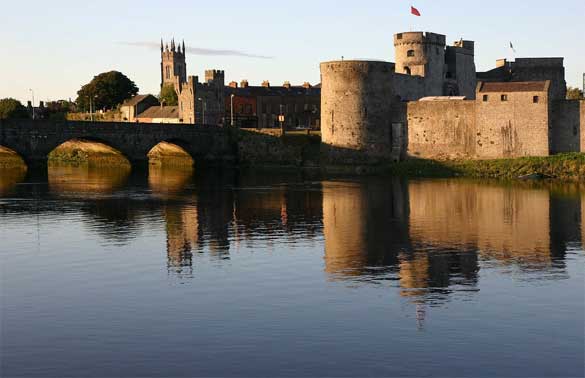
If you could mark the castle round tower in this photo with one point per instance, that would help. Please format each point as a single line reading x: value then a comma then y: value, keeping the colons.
x: 422, y: 54
x: 356, y: 98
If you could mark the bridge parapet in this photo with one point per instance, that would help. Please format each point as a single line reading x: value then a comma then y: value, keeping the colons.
x: 34, y: 140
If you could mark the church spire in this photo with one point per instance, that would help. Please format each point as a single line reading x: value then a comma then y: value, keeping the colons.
x: 173, y: 45
x: 183, y: 46
x: 161, y: 45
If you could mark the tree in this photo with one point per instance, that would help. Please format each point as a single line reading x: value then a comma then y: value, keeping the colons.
x: 168, y: 95
x: 574, y: 94
x: 11, y: 109
x: 107, y: 90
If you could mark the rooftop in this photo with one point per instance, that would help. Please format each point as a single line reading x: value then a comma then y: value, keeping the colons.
x: 514, y: 86
x: 136, y: 100
x: 160, y: 112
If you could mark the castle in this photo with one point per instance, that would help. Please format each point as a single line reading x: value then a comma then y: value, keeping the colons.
x: 431, y: 103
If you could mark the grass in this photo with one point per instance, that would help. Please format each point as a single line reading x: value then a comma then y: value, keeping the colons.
x: 569, y: 166
x: 83, y: 152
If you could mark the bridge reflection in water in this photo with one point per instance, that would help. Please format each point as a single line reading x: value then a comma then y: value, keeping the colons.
x: 429, y: 238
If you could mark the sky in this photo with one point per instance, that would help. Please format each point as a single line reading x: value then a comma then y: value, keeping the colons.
x: 54, y: 47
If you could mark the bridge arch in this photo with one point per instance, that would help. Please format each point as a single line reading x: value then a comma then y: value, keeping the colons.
x: 11, y: 156
x: 78, y: 149
x: 175, y: 151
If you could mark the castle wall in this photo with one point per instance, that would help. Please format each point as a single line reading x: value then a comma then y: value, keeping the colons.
x: 441, y: 129
x: 409, y: 88
x: 566, y: 134
x: 461, y: 69
x: 513, y: 128
x: 491, y: 129
x: 356, y: 100
x: 582, y: 128
x: 540, y: 69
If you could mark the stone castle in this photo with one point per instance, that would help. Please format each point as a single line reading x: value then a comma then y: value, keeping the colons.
x: 431, y: 103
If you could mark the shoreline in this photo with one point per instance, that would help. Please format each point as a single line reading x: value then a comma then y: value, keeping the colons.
x: 568, y: 167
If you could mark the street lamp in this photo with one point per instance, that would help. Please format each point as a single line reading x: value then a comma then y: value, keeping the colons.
x: 203, y: 106
x: 33, y: 102
x: 90, y: 107
x: 232, y: 108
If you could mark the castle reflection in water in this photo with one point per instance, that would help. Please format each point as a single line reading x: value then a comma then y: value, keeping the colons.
x: 428, y: 236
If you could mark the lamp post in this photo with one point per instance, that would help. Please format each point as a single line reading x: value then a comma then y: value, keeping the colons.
x: 203, y: 107
x: 232, y: 108
x: 33, y: 102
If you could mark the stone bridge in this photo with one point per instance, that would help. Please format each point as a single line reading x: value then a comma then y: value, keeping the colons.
x: 34, y: 140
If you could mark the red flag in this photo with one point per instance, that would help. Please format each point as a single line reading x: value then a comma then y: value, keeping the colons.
x: 414, y: 11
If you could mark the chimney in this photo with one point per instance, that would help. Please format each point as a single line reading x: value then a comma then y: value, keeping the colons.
x: 244, y: 84
x: 266, y: 84
x: 286, y: 84
x: 307, y: 85
x: 29, y: 104
x: 233, y: 84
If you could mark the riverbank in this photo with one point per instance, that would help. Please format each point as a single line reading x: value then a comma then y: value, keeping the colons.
x: 570, y: 166
x: 10, y: 159
x: 81, y: 152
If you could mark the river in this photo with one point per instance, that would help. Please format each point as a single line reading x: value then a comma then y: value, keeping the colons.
x: 170, y: 273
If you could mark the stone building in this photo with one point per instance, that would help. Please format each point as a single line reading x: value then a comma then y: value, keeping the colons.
x: 132, y: 107
x: 260, y: 106
x: 429, y: 104
x: 200, y: 103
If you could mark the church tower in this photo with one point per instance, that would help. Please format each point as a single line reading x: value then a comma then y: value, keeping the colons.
x: 172, y: 63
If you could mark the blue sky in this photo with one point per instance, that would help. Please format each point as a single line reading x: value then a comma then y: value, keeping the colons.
x: 56, y: 46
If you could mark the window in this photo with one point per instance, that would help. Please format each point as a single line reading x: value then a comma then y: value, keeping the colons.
x: 410, y: 53
x: 504, y: 97
x: 407, y: 70
x: 535, y: 99
x: 485, y: 98
x: 449, y: 75
x: 399, y: 36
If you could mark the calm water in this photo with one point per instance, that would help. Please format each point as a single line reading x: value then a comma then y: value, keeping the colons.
x: 168, y: 273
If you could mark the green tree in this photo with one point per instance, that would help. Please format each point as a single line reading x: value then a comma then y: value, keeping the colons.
x: 574, y: 94
x: 168, y: 95
x: 107, y: 90
x: 11, y: 108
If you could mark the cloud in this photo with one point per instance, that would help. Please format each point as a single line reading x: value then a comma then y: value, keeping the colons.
x: 199, y: 50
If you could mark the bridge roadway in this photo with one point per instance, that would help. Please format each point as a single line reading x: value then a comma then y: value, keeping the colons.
x: 34, y: 140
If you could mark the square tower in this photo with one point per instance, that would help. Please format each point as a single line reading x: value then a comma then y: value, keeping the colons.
x: 172, y: 64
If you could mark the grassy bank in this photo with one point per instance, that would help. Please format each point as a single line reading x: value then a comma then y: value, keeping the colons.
x: 9, y: 159
x: 82, y: 152
x: 569, y: 166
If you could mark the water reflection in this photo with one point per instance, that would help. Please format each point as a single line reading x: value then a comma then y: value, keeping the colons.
x: 9, y: 177
x: 429, y: 238
x: 69, y: 179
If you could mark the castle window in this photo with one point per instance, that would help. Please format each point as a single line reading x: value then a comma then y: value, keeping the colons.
x: 407, y: 70
x: 410, y: 53
x: 485, y: 98
x: 399, y: 36
x: 535, y: 99
x: 504, y: 97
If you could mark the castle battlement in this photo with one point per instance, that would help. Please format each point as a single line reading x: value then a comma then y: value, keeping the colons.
x: 419, y: 38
